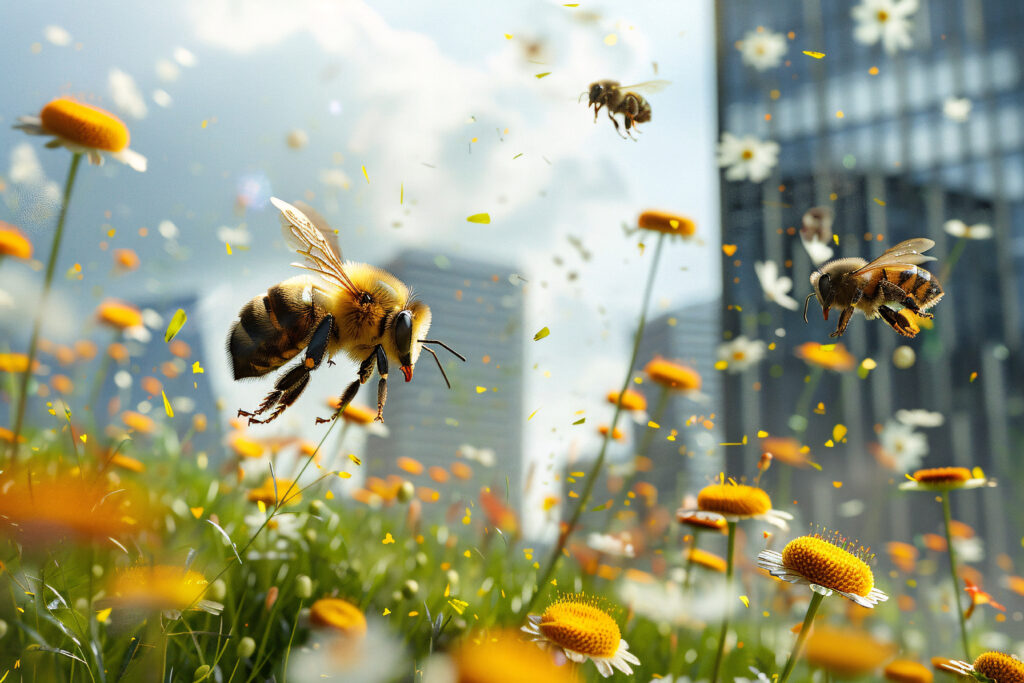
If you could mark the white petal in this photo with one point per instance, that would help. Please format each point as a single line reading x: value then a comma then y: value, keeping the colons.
x: 132, y: 159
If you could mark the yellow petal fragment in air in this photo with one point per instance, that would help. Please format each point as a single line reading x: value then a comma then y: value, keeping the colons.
x: 228, y: 247
x: 745, y: 600
x: 388, y: 538
x: 812, y: 53
x: 167, y: 405
x: 196, y: 512
x: 481, y: 390
x: 484, y: 218
x: 385, y: 612
x: 839, y: 433
x: 541, y: 334
x: 102, y: 616
x: 366, y: 175
x: 197, y: 369
x: 542, y: 75
x: 177, y: 322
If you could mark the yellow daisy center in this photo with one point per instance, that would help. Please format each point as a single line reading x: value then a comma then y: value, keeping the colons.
x: 845, y: 652
x: 747, y: 154
x: 338, y: 614
x: 718, y: 524
x: 85, y: 125
x: 663, y: 221
x: 1000, y: 667
x: 119, y: 314
x: 732, y: 499
x: 505, y: 658
x: 943, y: 475
x: 673, y: 375
x: 908, y: 671
x: 575, y: 624
x: 828, y: 565
x: 883, y: 16
x: 706, y: 560
x: 13, y: 242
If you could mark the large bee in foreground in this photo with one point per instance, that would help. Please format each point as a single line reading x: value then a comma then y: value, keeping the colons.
x: 895, y: 277
x: 623, y: 99
x: 353, y: 307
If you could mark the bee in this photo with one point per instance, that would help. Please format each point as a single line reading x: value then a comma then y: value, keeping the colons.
x: 895, y: 277
x: 354, y: 308
x: 624, y: 100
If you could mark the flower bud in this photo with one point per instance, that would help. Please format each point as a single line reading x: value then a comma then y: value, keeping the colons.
x: 410, y: 588
x: 246, y: 647
x: 405, y: 492
x: 218, y: 589
x: 303, y: 586
x: 201, y: 673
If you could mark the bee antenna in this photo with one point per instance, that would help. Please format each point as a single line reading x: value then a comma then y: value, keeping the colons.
x: 581, y: 96
x: 445, y: 346
x: 807, y: 301
x: 439, y: 366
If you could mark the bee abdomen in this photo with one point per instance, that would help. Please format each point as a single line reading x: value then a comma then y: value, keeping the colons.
x: 918, y: 283
x: 270, y: 330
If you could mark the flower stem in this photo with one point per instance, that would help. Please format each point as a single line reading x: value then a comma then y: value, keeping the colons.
x: 588, y: 488
x: 728, y: 597
x: 953, y: 257
x: 816, y: 599
x: 33, y: 345
x: 946, y: 517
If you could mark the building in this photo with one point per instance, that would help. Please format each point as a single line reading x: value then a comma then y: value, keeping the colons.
x: 882, y: 140
x: 479, y: 313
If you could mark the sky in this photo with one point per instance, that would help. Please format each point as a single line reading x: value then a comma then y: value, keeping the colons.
x: 400, y: 89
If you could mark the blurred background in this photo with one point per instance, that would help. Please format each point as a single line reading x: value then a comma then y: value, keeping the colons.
x: 398, y: 122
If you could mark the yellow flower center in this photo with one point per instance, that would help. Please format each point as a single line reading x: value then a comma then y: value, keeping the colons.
x: 673, y: 375
x: 748, y: 154
x: 1000, y: 667
x: 739, y: 355
x: 943, y: 475
x: 844, y: 652
x: 575, y: 624
x: 732, y: 499
x: 882, y: 15
x: 631, y: 400
x: 707, y: 560
x: 664, y: 221
x: 160, y: 587
x: 338, y: 614
x: 908, y: 671
x: 828, y: 565
x: 504, y: 658
x: 85, y: 125
x: 13, y: 242
x: 119, y: 314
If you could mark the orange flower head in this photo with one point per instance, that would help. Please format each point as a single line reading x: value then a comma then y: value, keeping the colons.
x: 126, y: 462
x: 13, y: 362
x: 410, y: 465
x: 707, y: 560
x: 786, y: 450
x: 358, y: 414
x: 673, y: 375
x: 670, y: 223
x: 126, y: 259
x: 845, y: 652
x: 244, y: 447
x: 268, y: 493
x: 13, y: 242
x: 138, y: 422
x: 504, y: 658
x: 160, y: 588
x: 903, y: 555
x: 942, y: 475
x: 85, y: 125
x: 618, y: 434
x: 339, y: 615
x: 577, y: 623
x: 824, y: 562
x: 631, y: 400
x: 498, y: 513
x: 462, y: 471
x: 734, y: 499
x: 118, y: 314
x: 1000, y: 667
x: 908, y: 671
x: 701, y: 522
x: 829, y: 356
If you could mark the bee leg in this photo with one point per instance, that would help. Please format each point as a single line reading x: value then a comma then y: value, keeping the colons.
x: 382, y: 385
x: 365, y: 371
x: 896, y: 322
x: 844, y: 320
x: 290, y: 385
x: 366, y: 367
x: 615, y: 122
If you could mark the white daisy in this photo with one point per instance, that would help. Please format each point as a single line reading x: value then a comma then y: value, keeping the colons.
x: 957, y: 109
x: 885, y: 21
x: 579, y: 628
x: 772, y: 562
x: 920, y: 418
x: 763, y: 49
x: 741, y: 353
x: 957, y: 228
x: 747, y: 158
x: 736, y: 502
x: 904, y: 446
x: 611, y: 545
x: 945, y: 479
x: 776, y: 287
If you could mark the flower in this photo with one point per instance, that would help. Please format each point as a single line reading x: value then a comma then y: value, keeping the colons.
x: 957, y: 109
x: 701, y: 522
x: 908, y: 671
x: 900, y: 447
x: 672, y: 375
x: 786, y: 450
x: 741, y: 353
x: 138, y: 422
x: 816, y: 224
x: 920, y: 418
x: 119, y: 315
x: 826, y: 566
x: 499, y: 514
x: 582, y: 630
x: 903, y: 555
x: 503, y: 658
x: 270, y: 490
x: 762, y: 49
x: 885, y: 21
x: 618, y: 434
x: 844, y: 652
x: 631, y: 400
x: 978, y: 597
x: 83, y: 129
x: 126, y: 259
x: 611, y: 545
x: 243, y: 446
x: 829, y: 356
x: 747, y: 157
x: 776, y: 288
x: 338, y: 614
x: 666, y: 222
x: 736, y: 501
x: 944, y: 479
x: 957, y: 228
x: 998, y: 666
x: 13, y: 242
x: 127, y: 462
x: 161, y: 588
x: 707, y: 560
x: 15, y: 363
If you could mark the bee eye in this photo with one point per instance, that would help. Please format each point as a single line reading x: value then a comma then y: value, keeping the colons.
x: 403, y: 334
x: 366, y: 299
x: 825, y: 286
x: 595, y: 91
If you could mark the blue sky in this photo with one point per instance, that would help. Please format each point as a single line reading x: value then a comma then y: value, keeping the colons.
x: 391, y: 86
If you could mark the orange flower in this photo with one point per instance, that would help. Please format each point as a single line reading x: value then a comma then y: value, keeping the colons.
x: 269, y: 492
x: 180, y: 349
x: 127, y: 463
x: 126, y: 259
x: 619, y: 435
x: 903, y: 555
x: 62, y: 384
x: 670, y: 223
x: 118, y: 352
x: 138, y: 422
x: 845, y: 652
x: 340, y: 615
x: 978, y: 597
x: 503, y: 658
x: 908, y: 671
x: 13, y: 242
x: 631, y: 400
x: 13, y: 362
x: 244, y: 447
x: 498, y: 514
x: 119, y: 314
x: 673, y: 375
x: 8, y: 436
x: 85, y: 349
x: 707, y: 560
x: 439, y: 474
x: 462, y: 471
x: 161, y: 588
x: 786, y: 450
x: 407, y: 464
x: 83, y: 129
x: 829, y: 356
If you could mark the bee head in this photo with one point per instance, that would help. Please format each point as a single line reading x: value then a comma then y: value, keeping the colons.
x: 823, y: 290
x: 411, y: 323
x: 595, y: 91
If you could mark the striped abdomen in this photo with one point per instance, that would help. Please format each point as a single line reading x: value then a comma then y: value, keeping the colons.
x: 918, y: 283
x: 272, y: 328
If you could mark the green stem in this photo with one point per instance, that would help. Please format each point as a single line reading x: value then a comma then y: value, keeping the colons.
x: 946, y: 518
x: 291, y: 638
x: 645, y: 443
x: 952, y: 258
x: 33, y: 345
x: 728, y: 596
x: 588, y: 488
x: 816, y: 599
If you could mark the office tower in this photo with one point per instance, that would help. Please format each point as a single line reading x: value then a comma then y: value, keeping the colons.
x: 478, y: 312
x: 896, y: 145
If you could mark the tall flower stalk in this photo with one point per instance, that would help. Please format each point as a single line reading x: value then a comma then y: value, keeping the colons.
x: 719, y: 654
x: 591, y: 478
x: 947, y: 519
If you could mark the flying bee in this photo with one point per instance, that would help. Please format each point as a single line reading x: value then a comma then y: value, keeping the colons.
x: 895, y: 277
x: 624, y: 100
x: 354, y: 308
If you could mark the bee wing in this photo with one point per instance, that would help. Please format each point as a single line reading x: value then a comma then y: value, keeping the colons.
x: 303, y: 236
x: 321, y: 224
x: 908, y: 253
x: 648, y: 86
